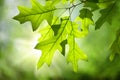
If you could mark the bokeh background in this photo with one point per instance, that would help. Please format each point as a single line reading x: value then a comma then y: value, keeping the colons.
x: 18, y: 58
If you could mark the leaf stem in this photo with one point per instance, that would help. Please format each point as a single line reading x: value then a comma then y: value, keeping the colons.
x: 71, y: 6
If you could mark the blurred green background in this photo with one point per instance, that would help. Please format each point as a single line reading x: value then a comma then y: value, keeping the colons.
x: 18, y: 58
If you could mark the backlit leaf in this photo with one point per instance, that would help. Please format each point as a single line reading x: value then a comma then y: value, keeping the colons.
x: 75, y: 53
x: 67, y: 21
x: 36, y: 14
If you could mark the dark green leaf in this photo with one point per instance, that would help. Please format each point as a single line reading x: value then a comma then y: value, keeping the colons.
x: 115, y: 48
x: 85, y: 13
x: 96, y: 1
x: 63, y: 43
x: 91, y: 5
x: 55, y: 28
x: 107, y: 15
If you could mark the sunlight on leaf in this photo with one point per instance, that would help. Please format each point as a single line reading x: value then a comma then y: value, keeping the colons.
x: 36, y: 15
x: 61, y: 30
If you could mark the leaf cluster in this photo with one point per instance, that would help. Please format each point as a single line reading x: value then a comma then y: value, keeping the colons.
x: 61, y: 29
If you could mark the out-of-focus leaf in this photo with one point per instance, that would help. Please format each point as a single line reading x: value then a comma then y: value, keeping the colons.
x: 95, y: 1
x: 115, y: 48
x: 105, y: 3
x: 85, y: 13
x: 107, y: 15
x: 92, y: 5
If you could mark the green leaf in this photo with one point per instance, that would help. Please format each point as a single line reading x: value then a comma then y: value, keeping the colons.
x: 48, y: 48
x: 112, y: 56
x: 86, y: 20
x: 54, y: 1
x: 55, y: 28
x: 36, y: 14
x: 58, y: 42
x: 46, y: 33
x: 64, y: 1
x: 75, y: 53
x: 59, y: 31
x: 85, y: 13
x: 63, y: 43
x: 107, y: 15
x: 105, y: 3
x: 95, y: 1
x: 91, y: 5
x: 115, y: 48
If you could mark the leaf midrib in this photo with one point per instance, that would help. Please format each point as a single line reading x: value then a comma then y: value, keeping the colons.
x: 37, y: 13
